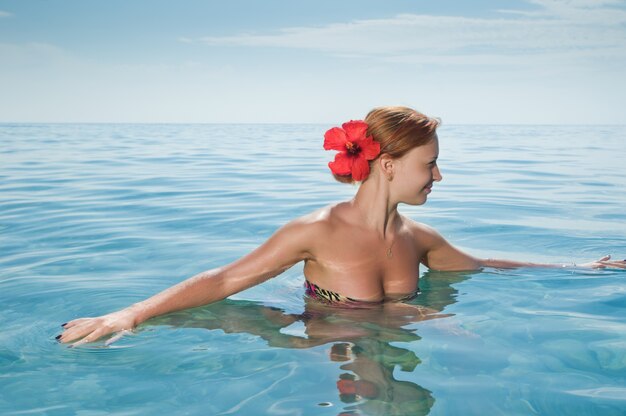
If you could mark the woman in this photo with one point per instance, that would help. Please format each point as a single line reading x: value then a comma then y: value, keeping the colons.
x: 360, y: 250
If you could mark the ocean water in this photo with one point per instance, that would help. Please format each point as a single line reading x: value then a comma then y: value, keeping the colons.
x: 94, y: 217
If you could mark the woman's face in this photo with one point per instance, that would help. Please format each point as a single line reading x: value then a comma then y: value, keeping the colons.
x: 416, y: 171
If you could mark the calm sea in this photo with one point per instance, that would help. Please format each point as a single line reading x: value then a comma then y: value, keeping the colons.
x: 94, y: 217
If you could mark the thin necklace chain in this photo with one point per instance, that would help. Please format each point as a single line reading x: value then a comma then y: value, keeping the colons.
x: 389, y: 253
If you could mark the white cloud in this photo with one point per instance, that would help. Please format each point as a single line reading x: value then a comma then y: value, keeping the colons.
x: 522, y: 12
x: 577, y: 28
x: 577, y: 4
x: 584, y: 11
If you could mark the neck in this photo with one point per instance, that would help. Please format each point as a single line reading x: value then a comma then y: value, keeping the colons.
x: 375, y: 206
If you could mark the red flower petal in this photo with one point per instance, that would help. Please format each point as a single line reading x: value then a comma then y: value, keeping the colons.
x: 341, y: 165
x: 351, y: 161
x: 346, y: 387
x: 355, y: 129
x: 370, y: 148
x: 335, y: 139
x: 360, y: 168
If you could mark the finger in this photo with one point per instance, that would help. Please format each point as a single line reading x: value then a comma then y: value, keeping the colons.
x: 94, y: 336
x: 614, y: 263
x: 69, y: 337
x: 608, y: 256
x: 116, y: 337
x: 78, y: 331
x: 81, y: 342
x: 614, y: 267
x: 74, y: 322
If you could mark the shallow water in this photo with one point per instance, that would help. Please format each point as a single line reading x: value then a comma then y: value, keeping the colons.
x: 95, y: 217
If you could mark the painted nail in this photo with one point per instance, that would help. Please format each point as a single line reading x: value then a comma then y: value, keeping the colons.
x: 58, y: 336
x: 64, y: 324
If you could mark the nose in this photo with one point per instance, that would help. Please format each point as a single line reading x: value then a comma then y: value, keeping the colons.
x: 437, y: 174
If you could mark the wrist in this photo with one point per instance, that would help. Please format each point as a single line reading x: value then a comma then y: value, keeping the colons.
x: 137, y: 312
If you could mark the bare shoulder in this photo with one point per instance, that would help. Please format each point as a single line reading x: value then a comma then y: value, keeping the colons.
x: 315, y: 219
x: 439, y: 253
x: 326, y: 216
x: 424, y: 234
x: 308, y: 228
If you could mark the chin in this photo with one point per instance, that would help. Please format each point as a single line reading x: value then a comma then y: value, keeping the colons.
x: 415, y: 202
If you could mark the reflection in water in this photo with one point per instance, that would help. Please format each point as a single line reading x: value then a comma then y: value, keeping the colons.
x: 360, y: 337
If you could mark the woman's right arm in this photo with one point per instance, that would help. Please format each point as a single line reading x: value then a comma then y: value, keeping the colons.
x: 286, y: 247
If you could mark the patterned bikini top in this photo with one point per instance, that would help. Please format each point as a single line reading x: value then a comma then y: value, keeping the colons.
x: 328, y: 296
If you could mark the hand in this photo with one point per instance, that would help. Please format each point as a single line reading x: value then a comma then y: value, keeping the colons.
x: 605, y: 263
x: 92, y: 329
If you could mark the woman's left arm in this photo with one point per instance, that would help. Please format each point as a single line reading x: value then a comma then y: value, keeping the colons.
x: 443, y: 256
x: 602, y: 263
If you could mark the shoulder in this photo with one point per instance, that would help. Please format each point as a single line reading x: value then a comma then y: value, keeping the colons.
x: 312, y: 226
x: 439, y: 253
x: 423, y: 234
x: 327, y: 216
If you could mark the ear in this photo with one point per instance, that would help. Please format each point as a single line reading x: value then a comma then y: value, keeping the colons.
x: 387, y: 165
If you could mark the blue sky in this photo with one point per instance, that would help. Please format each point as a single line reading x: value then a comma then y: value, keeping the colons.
x: 496, y: 62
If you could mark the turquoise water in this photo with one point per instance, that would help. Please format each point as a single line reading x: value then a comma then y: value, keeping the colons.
x: 96, y: 217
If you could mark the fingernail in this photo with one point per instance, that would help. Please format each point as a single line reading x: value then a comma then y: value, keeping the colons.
x: 64, y: 324
x: 58, y: 336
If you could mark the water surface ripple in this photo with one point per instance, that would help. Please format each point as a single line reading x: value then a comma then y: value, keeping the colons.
x: 94, y: 217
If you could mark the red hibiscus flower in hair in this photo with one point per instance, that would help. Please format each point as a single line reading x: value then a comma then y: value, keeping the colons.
x: 355, y: 149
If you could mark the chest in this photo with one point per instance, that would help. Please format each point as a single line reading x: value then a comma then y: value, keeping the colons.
x: 363, y: 267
